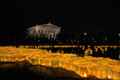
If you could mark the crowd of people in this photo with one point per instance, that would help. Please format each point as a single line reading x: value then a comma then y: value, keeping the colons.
x: 72, y: 38
x: 96, y: 51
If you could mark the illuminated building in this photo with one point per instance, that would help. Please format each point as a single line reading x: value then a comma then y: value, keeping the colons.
x: 47, y: 30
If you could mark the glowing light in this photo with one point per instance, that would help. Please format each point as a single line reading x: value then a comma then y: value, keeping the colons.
x: 47, y: 30
x: 83, y: 66
x: 119, y: 34
x: 109, y: 76
x: 84, y: 75
x: 85, y: 33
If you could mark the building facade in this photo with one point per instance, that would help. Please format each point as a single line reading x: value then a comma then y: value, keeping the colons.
x: 49, y: 30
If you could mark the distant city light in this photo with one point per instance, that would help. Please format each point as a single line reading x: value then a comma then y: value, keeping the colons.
x: 119, y: 56
x: 119, y: 34
x: 85, y: 33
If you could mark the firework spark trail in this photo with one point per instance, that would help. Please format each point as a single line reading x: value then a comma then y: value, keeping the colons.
x: 48, y: 30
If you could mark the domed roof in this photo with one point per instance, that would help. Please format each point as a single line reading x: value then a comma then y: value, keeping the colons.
x: 50, y: 25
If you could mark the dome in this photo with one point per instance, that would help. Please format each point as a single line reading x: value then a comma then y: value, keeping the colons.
x: 49, y: 30
x: 50, y: 25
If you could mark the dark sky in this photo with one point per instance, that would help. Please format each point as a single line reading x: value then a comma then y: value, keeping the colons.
x: 98, y: 18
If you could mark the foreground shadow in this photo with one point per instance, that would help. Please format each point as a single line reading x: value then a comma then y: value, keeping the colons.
x: 26, y: 71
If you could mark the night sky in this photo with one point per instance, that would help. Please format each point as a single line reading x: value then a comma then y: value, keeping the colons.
x: 101, y: 17
x: 87, y: 19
